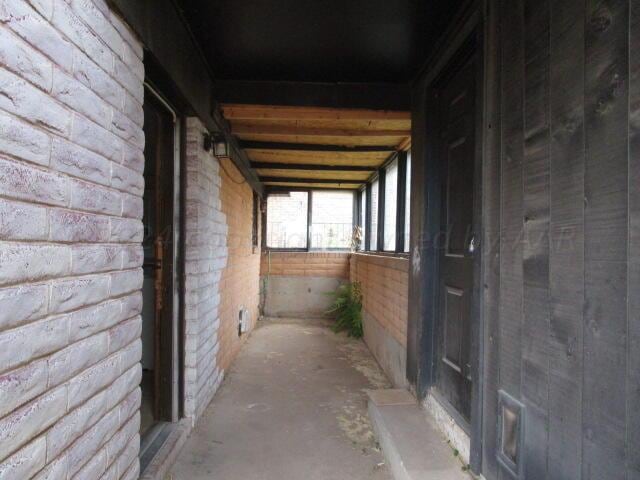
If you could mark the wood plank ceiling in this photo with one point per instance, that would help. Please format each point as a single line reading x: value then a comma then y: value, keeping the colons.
x: 313, y: 147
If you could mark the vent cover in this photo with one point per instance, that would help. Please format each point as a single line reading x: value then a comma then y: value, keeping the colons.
x: 510, y: 434
x: 243, y: 320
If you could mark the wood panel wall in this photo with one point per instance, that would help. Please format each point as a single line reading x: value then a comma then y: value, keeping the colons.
x: 565, y: 336
x: 561, y: 234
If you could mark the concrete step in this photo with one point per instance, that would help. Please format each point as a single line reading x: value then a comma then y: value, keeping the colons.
x: 412, y: 444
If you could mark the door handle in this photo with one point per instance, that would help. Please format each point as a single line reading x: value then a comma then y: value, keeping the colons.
x: 472, y: 245
x: 152, y: 264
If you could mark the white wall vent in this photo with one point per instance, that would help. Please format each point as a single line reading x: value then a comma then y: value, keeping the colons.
x: 243, y: 320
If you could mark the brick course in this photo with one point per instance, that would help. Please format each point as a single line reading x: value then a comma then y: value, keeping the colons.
x: 71, y: 160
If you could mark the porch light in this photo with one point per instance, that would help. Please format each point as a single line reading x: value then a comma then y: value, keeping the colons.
x: 217, y: 142
x: 220, y: 146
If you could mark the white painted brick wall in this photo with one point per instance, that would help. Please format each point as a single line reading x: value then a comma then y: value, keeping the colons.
x: 71, y: 184
x: 206, y: 257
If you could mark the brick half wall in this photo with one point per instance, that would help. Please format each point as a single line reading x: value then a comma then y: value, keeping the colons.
x: 385, y: 285
x: 295, y: 284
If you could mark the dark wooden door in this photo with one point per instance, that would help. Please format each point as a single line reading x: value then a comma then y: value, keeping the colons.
x: 457, y: 241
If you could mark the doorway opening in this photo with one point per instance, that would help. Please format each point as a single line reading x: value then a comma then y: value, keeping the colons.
x: 160, y: 286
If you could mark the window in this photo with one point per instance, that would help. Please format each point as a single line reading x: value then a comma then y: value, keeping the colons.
x: 254, y: 225
x: 384, y: 207
x: 287, y: 220
x: 407, y: 205
x: 373, y: 242
x: 390, y: 206
x: 363, y: 218
x: 321, y: 220
x: 331, y: 220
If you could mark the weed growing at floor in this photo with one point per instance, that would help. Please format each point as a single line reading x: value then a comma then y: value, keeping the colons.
x: 347, y: 308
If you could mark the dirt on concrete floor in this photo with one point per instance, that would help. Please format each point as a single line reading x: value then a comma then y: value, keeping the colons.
x: 292, y: 407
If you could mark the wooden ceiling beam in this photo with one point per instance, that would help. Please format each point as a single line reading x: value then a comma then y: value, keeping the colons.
x: 268, y: 112
x: 283, y: 189
x: 309, y: 166
x: 405, y: 145
x: 371, y: 96
x: 270, y: 130
x: 310, y: 180
x: 306, y: 147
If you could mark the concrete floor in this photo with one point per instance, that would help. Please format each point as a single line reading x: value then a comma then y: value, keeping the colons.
x: 292, y: 407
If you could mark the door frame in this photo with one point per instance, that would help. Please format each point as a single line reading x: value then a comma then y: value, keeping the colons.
x: 161, y: 88
x: 467, y: 32
x: 167, y: 351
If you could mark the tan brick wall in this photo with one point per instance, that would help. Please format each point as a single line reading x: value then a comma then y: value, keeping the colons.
x: 240, y: 283
x: 71, y: 184
x: 306, y: 264
x: 385, y: 288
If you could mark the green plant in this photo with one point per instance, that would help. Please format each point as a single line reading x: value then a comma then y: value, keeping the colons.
x: 347, y: 308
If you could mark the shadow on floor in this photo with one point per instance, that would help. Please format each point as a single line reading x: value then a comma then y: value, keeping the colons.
x: 292, y: 407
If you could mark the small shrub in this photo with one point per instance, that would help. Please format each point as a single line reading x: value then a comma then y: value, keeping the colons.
x: 347, y: 309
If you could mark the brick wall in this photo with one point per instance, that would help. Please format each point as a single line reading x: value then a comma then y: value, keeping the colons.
x: 240, y: 284
x: 305, y: 264
x: 385, y: 288
x: 205, y: 259
x: 71, y: 162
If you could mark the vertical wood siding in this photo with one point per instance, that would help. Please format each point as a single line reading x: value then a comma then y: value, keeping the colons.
x: 566, y: 232
x: 633, y: 287
x: 564, y: 172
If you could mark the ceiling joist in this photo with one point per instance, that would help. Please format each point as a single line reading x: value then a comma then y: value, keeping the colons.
x: 315, y: 186
x: 268, y: 112
x: 281, y: 130
x: 311, y: 180
x: 313, y: 146
x: 305, y: 166
x: 306, y: 147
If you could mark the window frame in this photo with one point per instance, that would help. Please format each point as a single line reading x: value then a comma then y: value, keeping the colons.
x: 401, y: 191
x: 255, y: 207
x: 309, y: 192
x: 389, y: 164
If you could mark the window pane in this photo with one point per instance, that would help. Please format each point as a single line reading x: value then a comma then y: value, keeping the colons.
x: 363, y: 217
x: 373, y: 244
x: 390, y: 205
x: 407, y: 203
x: 332, y: 219
x: 287, y: 220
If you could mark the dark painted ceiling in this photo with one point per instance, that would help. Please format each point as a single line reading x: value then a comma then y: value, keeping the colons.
x: 317, y: 40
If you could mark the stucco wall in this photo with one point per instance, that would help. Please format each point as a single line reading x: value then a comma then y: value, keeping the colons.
x: 71, y: 162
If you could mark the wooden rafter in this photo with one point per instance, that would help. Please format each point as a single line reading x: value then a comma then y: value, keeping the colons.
x: 262, y: 112
x: 280, y: 130
x: 284, y: 186
x: 305, y: 147
x: 312, y: 146
x: 311, y: 180
x: 307, y: 166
